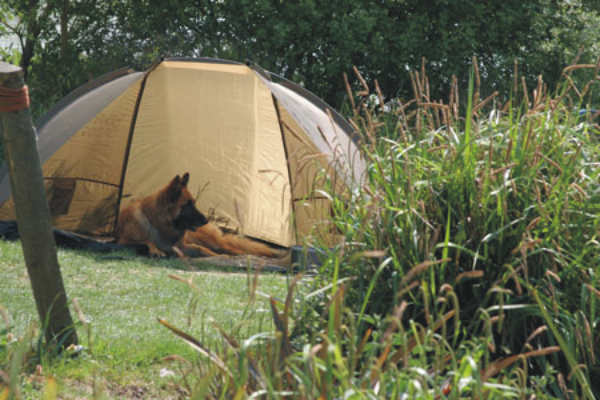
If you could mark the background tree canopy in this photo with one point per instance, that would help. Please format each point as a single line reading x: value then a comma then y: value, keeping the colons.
x: 63, y: 43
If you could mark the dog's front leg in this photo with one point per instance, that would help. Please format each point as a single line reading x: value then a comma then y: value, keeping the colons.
x: 196, y: 250
x: 154, y: 251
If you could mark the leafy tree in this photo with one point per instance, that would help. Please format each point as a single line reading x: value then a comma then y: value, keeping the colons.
x: 315, y: 42
x: 63, y: 43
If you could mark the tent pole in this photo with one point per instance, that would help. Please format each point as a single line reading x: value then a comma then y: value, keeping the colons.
x: 287, y: 163
x: 129, y: 140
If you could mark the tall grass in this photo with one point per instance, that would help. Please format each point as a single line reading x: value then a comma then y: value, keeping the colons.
x: 500, y: 205
x: 469, y: 264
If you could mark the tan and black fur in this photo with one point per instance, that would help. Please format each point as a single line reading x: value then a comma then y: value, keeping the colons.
x: 160, y: 220
x: 209, y: 239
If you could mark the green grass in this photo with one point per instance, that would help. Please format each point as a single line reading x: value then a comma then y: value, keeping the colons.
x: 122, y: 296
x: 469, y: 269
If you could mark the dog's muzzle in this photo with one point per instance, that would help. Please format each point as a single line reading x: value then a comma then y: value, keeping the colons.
x: 190, y: 218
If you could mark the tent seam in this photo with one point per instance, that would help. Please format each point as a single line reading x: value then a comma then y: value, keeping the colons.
x: 130, y: 139
x: 287, y: 164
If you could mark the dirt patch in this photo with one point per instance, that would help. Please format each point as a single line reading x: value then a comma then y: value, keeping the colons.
x: 82, y: 389
x: 129, y: 392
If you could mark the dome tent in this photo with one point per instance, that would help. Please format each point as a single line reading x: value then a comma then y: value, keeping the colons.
x: 255, y: 145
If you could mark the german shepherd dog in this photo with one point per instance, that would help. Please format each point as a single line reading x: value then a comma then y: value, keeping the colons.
x: 169, y: 218
x: 160, y: 220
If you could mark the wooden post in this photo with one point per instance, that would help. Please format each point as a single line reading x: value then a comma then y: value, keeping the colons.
x: 33, y: 216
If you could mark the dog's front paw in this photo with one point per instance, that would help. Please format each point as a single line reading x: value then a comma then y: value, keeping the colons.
x: 158, y: 254
x: 154, y: 251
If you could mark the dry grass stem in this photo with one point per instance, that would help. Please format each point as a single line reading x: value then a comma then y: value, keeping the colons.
x: 469, y: 275
x: 485, y: 102
x: 362, y: 81
x: 525, y: 93
x: 575, y: 67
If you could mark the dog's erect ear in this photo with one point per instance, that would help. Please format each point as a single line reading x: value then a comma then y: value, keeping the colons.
x: 174, y: 189
x: 185, y: 179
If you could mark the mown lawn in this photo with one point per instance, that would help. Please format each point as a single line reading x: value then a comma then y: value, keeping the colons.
x: 122, y: 295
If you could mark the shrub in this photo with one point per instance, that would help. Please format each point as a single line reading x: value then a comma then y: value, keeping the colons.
x: 504, y: 207
x: 469, y: 265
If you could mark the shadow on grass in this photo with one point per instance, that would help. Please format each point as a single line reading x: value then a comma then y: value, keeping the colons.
x: 223, y: 264
x: 107, y: 250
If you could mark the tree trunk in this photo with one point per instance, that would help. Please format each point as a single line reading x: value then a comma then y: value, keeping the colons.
x: 33, y: 217
x: 33, y: 19
x: 64, y: 29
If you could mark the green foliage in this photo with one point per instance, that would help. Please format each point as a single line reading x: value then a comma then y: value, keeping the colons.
x: 64, y: 44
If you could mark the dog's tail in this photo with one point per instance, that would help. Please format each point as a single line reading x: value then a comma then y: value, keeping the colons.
x: 241, y: 245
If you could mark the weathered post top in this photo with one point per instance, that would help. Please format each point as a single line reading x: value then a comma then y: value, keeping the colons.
x: 7, y: 68
x: 9, y: 71
x: 14, y: 94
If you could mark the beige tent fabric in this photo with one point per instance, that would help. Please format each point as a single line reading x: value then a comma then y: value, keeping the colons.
x: 92, y: 209
x: 96, y: 152
x: 323, y: 132
x: 89, y: 165
x: 81, y: 111
x: 270, y: 195
x: 304, y: 158
x: 307, y: 171
x: 218, y: 123
x: 7, y: 211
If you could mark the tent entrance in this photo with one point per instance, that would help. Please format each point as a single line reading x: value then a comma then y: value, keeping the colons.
x: 82, y: 205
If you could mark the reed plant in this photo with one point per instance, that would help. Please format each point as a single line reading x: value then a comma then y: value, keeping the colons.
x: 468, y: 265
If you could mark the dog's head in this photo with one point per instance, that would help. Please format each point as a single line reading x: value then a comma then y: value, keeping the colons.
x: 186, y: 215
